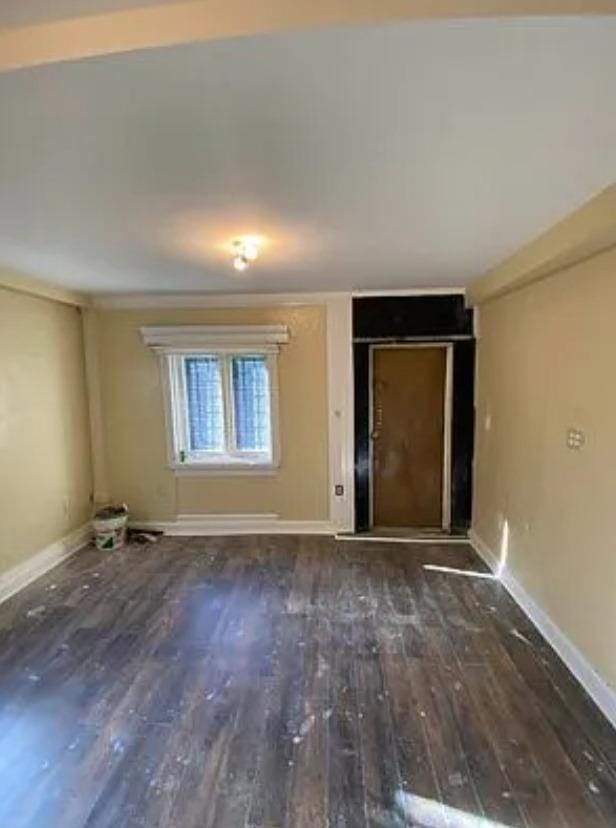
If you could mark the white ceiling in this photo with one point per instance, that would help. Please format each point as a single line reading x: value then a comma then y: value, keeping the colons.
x: 29, y: 12
x: 402, y: 156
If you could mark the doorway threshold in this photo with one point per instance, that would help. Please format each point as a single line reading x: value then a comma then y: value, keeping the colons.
x: 404, y: 535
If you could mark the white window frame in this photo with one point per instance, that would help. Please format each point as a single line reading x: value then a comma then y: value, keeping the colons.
x: 231, y: 458
x: 173, y: 345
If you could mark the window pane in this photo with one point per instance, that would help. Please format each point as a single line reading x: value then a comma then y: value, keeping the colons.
x: 251, y: 398
x: 206, y: 430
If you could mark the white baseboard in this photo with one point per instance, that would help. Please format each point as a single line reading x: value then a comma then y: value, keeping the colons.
x: 261, y: 524
x: 445, y: 539
x: 15, y: 579
x: 596, y: 687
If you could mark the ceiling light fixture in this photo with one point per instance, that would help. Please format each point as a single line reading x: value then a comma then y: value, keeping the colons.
x: 245, y: 251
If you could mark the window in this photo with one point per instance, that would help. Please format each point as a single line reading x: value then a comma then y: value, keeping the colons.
x: 222, y: 410
x: 221, y: 395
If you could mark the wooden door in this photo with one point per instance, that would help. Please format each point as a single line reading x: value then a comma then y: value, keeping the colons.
x: 408, y: 418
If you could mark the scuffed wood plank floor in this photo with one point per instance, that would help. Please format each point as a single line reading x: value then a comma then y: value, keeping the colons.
x: 289, y: 682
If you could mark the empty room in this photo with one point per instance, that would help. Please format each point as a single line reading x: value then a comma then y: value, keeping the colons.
x: 307, y: 414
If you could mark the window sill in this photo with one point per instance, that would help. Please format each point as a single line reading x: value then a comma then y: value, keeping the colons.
x: 235, y: 470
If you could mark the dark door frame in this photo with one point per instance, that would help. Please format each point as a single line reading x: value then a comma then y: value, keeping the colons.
x: 442, y: 319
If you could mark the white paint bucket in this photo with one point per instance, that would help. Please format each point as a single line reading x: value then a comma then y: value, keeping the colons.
x: 110, y: 533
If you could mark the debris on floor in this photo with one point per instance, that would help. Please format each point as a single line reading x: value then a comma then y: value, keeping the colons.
x: 521, y: 637
x: 141, y: 536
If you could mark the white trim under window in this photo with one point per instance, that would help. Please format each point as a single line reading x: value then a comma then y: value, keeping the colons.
x: 221, y: 350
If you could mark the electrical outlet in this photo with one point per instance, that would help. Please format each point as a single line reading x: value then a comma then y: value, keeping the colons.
x: 575, y: 438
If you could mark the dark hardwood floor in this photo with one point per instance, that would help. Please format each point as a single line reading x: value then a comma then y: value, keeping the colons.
x: 289, y: 682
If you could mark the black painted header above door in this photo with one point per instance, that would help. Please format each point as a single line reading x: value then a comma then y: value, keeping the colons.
x: 386, y: 317
x: 438, y: 318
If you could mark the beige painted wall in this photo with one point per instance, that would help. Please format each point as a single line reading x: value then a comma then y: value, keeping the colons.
x: 168, y: 24
x: 45, y: 476
x: 546, y: 359
x: 134, y: 430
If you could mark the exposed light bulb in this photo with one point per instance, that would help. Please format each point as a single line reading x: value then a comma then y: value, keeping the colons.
x: 250, y: 250
x: 245, y: 250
